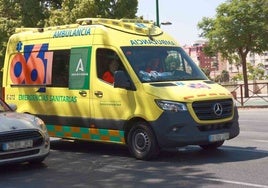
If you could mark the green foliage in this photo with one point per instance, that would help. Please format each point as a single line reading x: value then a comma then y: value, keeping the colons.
x: 29, y: 13
x: 256, y: 72
x: 32, y: 13
x: 64, y: 15
x: 206, y: 71
x: 233, y: 59
x: 73, y: 9
x: 237, y: 77
x: 224, y: 77
x: 253, y: 73
x: 52, y: 4
x: 40, y: 13
x: 7, y: 27
x: 240, y: 26
x: 117, y: 8
x: 217, y: 78
x: 19, y: 13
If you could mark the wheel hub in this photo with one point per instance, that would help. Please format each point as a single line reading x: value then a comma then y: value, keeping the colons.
x: 141, y: 141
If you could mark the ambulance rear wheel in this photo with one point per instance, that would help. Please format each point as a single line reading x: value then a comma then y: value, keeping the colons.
x: 142, y: 142
x: 212, y: 146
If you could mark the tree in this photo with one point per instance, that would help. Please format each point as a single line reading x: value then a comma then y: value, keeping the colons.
x: 19, y: 13
x: 206, y: 71
x: 8, y: 22
x: 240, y: 26
x: 40, y: 13
x: 117, y: 8
x: 237, y: 77
x: 70, y: 10
x: 32, y: 13
x: 28, y: 13
x: 52, y: 4
x: 6, y: 29
x: 63, y: 14
x: 225, y: 77
x: 256, y: 72
x: 233, y: 59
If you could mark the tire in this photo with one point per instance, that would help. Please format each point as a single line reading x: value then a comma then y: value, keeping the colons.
x: 142, y: 143
x: 212, y: 146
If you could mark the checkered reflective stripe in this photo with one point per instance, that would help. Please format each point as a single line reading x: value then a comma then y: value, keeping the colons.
x: 83, y: 133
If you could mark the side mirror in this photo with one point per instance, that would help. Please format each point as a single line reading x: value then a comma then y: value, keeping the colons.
x: 122, y: 80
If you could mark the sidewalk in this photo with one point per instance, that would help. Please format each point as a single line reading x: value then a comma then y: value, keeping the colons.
x: 253, y: 102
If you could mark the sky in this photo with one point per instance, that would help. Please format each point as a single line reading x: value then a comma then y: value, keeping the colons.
x: 183, y: 14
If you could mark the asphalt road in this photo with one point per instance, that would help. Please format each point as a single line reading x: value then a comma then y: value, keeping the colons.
x: 241, y: 162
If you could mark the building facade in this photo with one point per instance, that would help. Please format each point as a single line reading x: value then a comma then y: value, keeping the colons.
x: 217, y: 64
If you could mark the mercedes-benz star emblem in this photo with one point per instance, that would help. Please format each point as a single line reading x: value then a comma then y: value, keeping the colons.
x: 217, y: 108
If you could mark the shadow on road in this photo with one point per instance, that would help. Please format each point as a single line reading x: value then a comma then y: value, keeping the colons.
x: 190, y: 153
x: 80, y: 164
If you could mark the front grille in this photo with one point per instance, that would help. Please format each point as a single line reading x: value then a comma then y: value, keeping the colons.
x: 207, y: 110
x: 34, y: 135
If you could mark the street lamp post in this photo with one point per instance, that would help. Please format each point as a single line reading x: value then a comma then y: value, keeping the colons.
x: 157, y: 14
x: 166, y: 23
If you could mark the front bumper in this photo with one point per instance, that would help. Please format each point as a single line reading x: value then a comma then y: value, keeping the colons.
x: 27, y: 154
x: 179, y: 129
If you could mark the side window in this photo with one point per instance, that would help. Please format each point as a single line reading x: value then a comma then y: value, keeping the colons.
x: 60, y: 68
x: 107, y: 63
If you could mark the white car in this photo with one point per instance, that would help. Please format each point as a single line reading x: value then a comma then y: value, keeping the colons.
x: 23, y: 137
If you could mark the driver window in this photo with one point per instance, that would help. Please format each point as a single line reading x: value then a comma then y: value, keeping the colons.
x: 107, y: 63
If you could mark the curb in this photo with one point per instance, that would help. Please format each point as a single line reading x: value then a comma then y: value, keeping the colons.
x: 252, y: 106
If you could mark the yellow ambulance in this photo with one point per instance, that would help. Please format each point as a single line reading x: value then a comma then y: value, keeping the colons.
x: 119, y: 81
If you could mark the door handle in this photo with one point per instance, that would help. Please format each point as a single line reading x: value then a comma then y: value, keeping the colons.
x: 83, y: 93
x: 99, y: 94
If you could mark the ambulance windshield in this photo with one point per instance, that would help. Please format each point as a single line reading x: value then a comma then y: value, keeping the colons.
x: 158, y: 64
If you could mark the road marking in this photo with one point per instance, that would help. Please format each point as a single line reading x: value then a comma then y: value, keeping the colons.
x: 237, y: 182
x: 250, y: 120
x: 265, y: 141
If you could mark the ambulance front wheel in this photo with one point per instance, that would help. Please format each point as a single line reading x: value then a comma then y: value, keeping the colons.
x: 142, y: 142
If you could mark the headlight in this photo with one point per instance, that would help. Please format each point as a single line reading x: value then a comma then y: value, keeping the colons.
x: 171, y: 106
x: 40, y: 123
